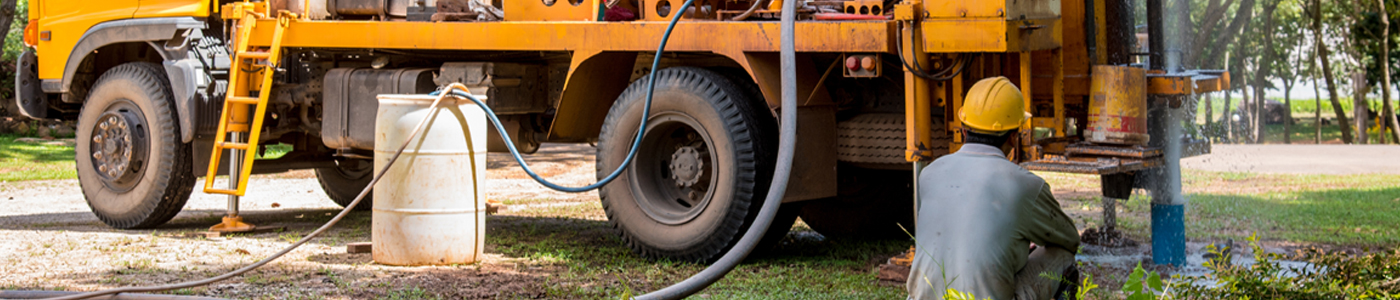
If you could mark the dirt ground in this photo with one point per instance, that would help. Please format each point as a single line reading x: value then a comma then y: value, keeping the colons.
x: 52, y: 241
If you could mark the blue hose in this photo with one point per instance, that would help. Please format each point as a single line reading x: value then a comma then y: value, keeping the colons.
x: 636, y: 142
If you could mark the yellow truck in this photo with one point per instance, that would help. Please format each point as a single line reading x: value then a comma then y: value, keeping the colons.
x: 161, y: 87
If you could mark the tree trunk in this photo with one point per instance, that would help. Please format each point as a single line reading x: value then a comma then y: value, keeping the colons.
x: 1243, y: 15
x: 1327, y: 73
x: 1287, y: 111
x: 1213, y: 14
x: 1360, y: 107
x: 1257, y: 135
x: 7, y: 15
x: 1317, y: 99
x: 1388, y: 111
x: 1225, y: 116
x: 1209, y: 110
x: 1266, y: 68
x: 1245, y: 116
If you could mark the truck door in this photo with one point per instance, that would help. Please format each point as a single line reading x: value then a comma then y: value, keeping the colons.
x: 173, y: 8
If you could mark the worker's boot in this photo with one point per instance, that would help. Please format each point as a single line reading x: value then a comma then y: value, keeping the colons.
x: 1069, y: 286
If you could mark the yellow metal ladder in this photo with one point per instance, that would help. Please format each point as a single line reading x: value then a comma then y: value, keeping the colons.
x: 252, y: 68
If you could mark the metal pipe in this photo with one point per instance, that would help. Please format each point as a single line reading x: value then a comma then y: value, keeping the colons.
x: 752, y: 8
x: 235, y: 163
x: 1175, y: 21
x: 918, y: 107
x: 1168, y: 203
x: 1155, y: 44
x: 1165, y: 28
x: 1025, y: 133
x: 1110, y: 214
x: 1058, y: 90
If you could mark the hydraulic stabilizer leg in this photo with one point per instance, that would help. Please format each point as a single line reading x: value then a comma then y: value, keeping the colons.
x: 232, y: 221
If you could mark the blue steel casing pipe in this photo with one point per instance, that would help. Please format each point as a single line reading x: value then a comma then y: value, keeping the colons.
x: 1164, y: 125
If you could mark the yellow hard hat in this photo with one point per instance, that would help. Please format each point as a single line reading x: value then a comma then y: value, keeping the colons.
x: 993, y: 105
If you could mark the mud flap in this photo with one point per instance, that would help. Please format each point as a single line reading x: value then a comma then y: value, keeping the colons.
x: 30, y: 97
x: 184, y: 75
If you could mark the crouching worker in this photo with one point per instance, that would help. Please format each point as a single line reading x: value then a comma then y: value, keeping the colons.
x: 979, y: 214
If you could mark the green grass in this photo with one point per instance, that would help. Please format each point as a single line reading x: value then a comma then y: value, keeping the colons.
x: 595, y: 264
x: 20, y: 161
x: 1309, y: 106
x: 1302, y: 108
x: 1299, y: 106
x: 274, y: 151
x: 1303, y: 130
x: 1352, y: 210
x: 29, y: 161
x: 1331, y: 209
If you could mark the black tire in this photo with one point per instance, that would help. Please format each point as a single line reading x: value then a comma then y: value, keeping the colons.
x: 347, y: 180
x: 869, y: 205
x: 787, y: 213
x: 152, y: 182
x: 731, y: 143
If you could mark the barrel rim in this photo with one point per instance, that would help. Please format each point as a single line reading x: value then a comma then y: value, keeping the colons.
x: 423, y: 99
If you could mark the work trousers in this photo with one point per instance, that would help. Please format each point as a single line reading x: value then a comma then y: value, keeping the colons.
x: 1056, y: 265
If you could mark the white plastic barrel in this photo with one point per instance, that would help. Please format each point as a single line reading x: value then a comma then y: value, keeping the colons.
x: 430, y: 207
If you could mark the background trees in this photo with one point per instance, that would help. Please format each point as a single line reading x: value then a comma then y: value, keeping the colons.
x: 1343, y: 49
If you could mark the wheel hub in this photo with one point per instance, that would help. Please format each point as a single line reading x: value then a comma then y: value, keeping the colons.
x: 671, y: 178
x: 686, y: 166
x: 118, y: 147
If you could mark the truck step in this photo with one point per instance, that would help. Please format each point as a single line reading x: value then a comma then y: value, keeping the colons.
x: 254, y: 55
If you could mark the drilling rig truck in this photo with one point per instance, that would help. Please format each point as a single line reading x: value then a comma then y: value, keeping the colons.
x: 160, y: 88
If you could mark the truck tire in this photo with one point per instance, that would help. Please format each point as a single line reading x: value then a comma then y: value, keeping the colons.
x: 134, y: 170
x: 868, y: 205
x: 701, y: 172
x: 347, y: 180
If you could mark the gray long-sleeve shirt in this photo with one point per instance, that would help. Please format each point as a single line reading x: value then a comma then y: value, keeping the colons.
x: 978, y: 213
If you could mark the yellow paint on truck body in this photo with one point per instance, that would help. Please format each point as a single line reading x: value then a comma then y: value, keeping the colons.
x: 67, y: 20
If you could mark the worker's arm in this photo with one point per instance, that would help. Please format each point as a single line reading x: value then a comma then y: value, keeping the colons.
x: 1047, y: 225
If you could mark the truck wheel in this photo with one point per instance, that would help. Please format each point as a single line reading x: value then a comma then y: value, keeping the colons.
x: 701, y: 172
x: 133, y: 169
x: 347, y: 180
x: 869, y: 204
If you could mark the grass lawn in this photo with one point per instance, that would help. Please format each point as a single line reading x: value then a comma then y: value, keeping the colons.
x: 1299, y: 106
x: 32, y: 161
x: 1303, y: 130
x: 21, y: 161
x: 1349, y: 210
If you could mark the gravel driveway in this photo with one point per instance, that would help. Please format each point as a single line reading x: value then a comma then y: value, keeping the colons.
x: 54, y: 241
